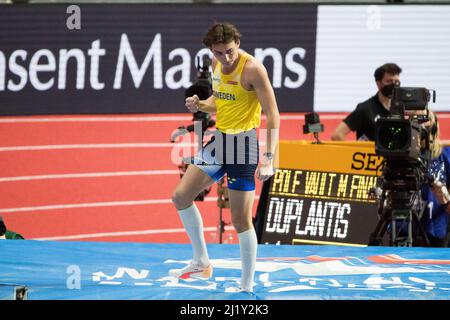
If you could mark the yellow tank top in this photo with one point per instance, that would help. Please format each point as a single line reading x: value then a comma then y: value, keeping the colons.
x: 238, y: 109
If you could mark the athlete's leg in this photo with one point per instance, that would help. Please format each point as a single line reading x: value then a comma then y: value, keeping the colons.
x: 243, y: 148
x: 241, y: 204
x: 198, y: 177
x: 193, y: 182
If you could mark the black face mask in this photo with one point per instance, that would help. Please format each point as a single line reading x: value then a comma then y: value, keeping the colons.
x: 388, y: 90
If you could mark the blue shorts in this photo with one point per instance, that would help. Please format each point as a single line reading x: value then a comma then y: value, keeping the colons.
x: 235, y: 155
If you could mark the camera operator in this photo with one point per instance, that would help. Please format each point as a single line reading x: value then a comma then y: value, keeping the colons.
x: 363, y: 118
x: 436, y: 217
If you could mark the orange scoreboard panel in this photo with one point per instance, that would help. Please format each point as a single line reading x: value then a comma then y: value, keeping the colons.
x: 319, y: 194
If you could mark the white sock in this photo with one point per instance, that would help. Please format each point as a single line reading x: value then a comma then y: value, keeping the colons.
x: 248, y: 245
x: 193, y: 223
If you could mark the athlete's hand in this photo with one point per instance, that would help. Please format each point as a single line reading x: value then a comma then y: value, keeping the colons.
x: 264, y: 171
x: 192, y: 103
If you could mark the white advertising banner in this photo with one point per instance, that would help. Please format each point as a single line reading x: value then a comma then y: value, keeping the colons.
x: 352, y: 41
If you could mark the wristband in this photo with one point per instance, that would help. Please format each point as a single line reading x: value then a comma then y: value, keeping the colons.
x: 268, y: 155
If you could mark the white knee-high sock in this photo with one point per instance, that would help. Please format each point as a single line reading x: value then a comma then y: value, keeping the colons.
x: 248, y: 245
x: 193, y: 223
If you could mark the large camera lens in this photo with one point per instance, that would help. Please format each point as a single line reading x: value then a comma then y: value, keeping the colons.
x: 393, y: 136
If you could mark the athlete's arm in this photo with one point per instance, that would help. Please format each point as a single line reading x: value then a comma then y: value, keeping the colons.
x: 207, y: 105
x: 259, y: 81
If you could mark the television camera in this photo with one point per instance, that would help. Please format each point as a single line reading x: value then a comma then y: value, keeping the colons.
x: 404, y: 142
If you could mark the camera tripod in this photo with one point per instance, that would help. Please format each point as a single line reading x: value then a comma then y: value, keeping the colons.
x: 400, y: 212
x: 400, y: 207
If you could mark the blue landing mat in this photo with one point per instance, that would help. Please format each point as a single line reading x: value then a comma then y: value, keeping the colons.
x: 96, y: 270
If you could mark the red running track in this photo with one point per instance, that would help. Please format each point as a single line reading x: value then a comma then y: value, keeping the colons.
x: 108, y: 178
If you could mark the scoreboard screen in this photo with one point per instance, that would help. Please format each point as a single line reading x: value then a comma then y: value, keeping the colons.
x: 306, y: 204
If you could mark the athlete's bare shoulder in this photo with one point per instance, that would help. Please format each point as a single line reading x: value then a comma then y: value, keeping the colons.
x: 252, y: 64
x: 253, y: 72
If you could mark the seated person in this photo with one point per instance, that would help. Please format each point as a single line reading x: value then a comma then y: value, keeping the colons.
x: 363, y: 118
x: 436, y: 217
x: 6, y: 234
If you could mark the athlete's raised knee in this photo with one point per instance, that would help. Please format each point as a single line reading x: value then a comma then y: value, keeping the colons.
x: 181, y: 200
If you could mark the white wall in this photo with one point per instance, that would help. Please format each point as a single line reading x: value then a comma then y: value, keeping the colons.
x: 352, y: 41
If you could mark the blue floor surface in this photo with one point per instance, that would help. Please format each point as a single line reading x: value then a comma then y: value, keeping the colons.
x: 116, y: 271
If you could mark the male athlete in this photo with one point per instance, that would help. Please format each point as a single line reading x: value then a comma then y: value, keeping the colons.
x: 241, y: 87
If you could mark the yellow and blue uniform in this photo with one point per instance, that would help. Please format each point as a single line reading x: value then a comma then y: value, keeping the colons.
x: 238, y: 109
x: 234, y: 148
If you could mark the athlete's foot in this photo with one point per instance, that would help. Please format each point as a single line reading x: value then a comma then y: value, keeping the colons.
x: 239, y: 290
x: 193, y: 271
